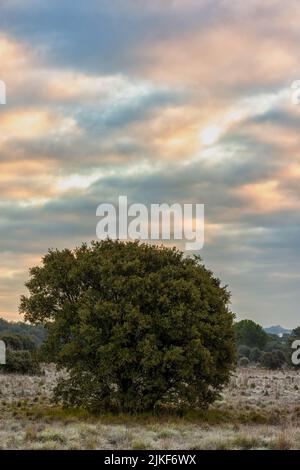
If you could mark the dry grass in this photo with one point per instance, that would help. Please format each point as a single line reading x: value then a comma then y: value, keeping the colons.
x: 258, y: 410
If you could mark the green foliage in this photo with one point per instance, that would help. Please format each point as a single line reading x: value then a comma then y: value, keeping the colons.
x: 250, y: 334
x: 20, y: 362
x: 275, y: 342
x: 244, y: 362
x: 295, y: 333
x: 243, y: 351
x: 36, y: 333
x: 255, y: 355
x: 273, y: 360
x: 136, y: 326
x: 259, y: 347
x: 21, y: 354
x: 18, y: 342
x: 21, y: 342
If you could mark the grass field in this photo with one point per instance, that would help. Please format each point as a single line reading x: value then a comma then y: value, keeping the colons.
x: 259, y: 409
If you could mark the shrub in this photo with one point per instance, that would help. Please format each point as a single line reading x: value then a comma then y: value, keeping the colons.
x: 243, y: 351
x: 255, y: 355
x: 136, y: 326
x: 273, y: 360
x: 273, y: 344
x: 243, y: 362
x: 20, y: 362
x: 18, y: 342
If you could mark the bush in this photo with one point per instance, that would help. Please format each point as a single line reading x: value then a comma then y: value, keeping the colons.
x: 135, y: 325
x: 273, y: 360
x: 18, y: 342
x: 243, y: 351
x: 20, y: 362
x: 274, y: 344
x: 243, y: 362
x: 255, y: 355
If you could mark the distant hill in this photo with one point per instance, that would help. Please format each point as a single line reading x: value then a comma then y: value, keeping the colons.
x: 36, y: 333
x: 277, y: 330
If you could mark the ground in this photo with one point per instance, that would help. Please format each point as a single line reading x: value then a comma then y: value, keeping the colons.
x: 259, y: 409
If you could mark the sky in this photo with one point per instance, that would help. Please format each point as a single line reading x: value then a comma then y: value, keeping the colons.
x: 164, y: 101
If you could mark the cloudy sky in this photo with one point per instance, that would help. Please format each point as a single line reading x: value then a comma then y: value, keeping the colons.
x: 164, y: 101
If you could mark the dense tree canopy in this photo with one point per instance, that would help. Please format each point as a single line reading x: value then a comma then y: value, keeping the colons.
x: 250, y: 334
x: 18, y: 342
x: 135, y: 326
x: 295, y: 333
x: 35, y: 333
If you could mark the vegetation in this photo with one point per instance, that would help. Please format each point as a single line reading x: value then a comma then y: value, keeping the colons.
x: 18, y: 342
x: 295, y: 333
x: 250, y: 334
x: 136, y: 326
x: 36, y: 333
x: 141, y: 329
x: 21, y: 350
x: 255, y: 346
x: 259, y: 409
x: 273, y: 360
x: 21, y: 362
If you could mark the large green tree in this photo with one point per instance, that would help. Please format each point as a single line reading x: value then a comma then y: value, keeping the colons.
x: 135, y: 326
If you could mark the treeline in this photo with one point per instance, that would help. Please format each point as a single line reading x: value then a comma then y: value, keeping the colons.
x: 255, y: 346
x: 35, y: 333
x: 22, y: 347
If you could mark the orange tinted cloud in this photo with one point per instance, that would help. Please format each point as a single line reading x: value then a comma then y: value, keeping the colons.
x: 221, y: 57
x: 266, y: 197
